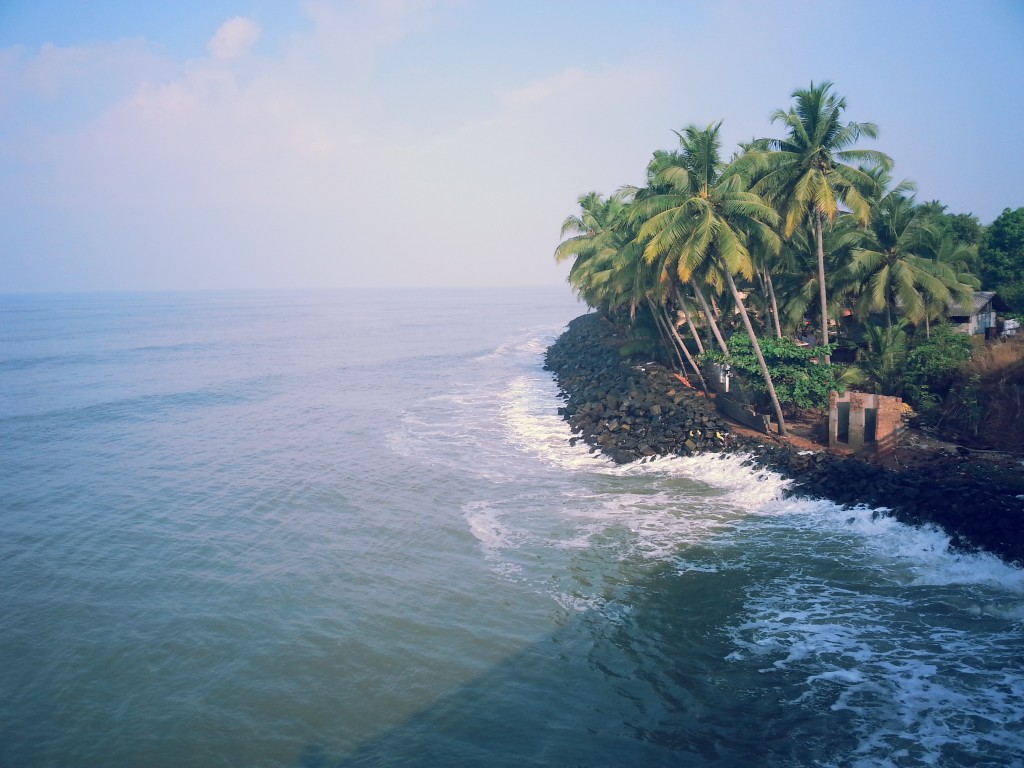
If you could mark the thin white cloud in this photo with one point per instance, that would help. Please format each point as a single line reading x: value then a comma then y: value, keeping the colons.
x: 538, y: 91
x: 324, y: 162
x: 282, y: 161
x: 234, y: 38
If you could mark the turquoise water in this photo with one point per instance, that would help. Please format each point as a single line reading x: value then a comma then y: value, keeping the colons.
x: 346, y: 529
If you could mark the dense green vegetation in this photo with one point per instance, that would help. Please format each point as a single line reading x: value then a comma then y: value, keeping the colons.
x: 1001, y: 257
x: 805, y: 235
x: 798, y: 380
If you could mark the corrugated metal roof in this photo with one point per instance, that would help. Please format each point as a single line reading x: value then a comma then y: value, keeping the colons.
x: 981, y: 298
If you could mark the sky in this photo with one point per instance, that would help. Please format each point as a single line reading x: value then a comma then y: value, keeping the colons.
x: 263, y: 144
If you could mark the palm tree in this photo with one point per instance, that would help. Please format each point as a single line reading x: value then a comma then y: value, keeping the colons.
x: 601, y: 263
x: 950, y: 263
x: 806, y: 174
x: 883, y: 365
x: 897, y: 264
x: 660, y: 167
x: 609, y: 272
x: 702, y: 223
x: 797, y: 278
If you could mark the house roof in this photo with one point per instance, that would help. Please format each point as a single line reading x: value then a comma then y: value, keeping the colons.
x: 980, y: 299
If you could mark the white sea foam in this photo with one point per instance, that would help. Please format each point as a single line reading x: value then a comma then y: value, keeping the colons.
x: 746, y: 486
x: 534, y: 426
x: 869, y: 616
x: 492, y: 534
x: 756, y: 493
x: 918, y: 677
x: 641, y: 525
x: 528, y: 407
x: 530, y: 342
x: 494, y: 537
x: 577, y: 603
x: 549, y: 536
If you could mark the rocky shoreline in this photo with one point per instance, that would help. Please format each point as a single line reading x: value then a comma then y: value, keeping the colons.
x: 636, y: 412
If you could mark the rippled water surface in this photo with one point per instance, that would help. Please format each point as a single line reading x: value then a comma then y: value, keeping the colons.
x: 347, y: 529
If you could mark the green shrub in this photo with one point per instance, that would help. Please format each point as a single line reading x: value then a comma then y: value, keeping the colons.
x: 934, y: 365
x: 800, y: 381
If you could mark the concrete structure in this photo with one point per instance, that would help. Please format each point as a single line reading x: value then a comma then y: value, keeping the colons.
x: 717, y: 377
x: 743, y: 413
x: 733, y: 401
x: 864, y: 423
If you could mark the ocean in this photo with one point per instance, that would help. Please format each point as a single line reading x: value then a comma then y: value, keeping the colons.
x: 348, y: 529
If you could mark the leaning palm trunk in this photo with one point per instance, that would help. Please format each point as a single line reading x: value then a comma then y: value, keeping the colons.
x: 821, y: 282
x: 775, y: 304
x: 682, y: 346
x: 709, y: 316
x: 678, y: 344
x: 689, y: 320
x: 757, y: 351
x: 666, y: 339
x: 770, y: 311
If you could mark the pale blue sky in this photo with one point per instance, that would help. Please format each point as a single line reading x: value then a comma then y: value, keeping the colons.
x: 263, y: 143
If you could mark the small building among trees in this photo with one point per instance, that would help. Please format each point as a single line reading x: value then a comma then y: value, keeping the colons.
x: 979, y: 317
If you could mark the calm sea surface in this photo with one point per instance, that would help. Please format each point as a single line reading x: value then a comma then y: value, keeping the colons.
x: 347, y: 529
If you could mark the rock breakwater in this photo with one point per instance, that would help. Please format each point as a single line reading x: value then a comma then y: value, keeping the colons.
x: 636, y: 412
x: 628, y: 411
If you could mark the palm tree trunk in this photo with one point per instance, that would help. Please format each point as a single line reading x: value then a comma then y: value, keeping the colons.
x: 682, y: 346
x: 666, y: 339
x: 776, y: 406
x: 763, y: 288
x: 689, y: 319
x: 821, y: 282
x: 709, y: 316
x: 775, y: 304
x: 658, y: 313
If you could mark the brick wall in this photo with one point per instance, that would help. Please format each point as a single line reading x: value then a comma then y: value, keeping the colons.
x: 864, y: 423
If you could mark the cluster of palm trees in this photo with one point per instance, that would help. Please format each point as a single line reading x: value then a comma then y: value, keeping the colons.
x: 790, y: 228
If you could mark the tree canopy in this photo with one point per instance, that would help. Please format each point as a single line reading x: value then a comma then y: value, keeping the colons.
x: 792, y: 238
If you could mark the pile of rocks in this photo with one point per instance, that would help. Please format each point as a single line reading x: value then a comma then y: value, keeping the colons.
x: 632, y: 412
x: 625, y: 410
x: 977, y: 508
